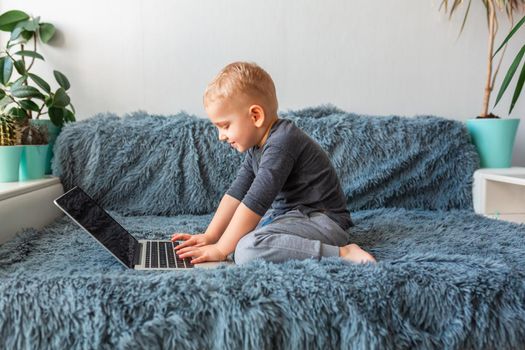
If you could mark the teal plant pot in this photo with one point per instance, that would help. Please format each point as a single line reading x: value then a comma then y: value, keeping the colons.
x: 10, y: 162
x: 494, y: 140
x: 33, y: 162
x: 52, y: 134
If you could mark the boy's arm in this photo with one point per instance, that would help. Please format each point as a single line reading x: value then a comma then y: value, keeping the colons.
x: 243, y: 221
x: 274, y: 168
x: 222, y: 217
x: 229, y: 202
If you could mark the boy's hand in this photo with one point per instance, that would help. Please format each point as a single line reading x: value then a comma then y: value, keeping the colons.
x: 199, y: 240
x: 202, y: 253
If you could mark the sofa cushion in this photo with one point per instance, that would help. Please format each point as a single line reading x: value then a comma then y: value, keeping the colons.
x: 144, y: 164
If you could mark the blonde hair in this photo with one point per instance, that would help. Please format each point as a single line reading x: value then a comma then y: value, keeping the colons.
x: 243, y: 78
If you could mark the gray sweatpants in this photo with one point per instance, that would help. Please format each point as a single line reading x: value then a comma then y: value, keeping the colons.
x: 292, y: 235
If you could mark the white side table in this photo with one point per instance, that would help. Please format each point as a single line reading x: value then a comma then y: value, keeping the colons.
x: 28, y: 204
x: 500, y: 193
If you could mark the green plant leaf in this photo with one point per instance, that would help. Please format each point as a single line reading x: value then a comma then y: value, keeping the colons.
x: 15, y: 34
x: 6, y: 68
x: 69, y: 116
x: 9, y: 19
x: 26, y: 91
x: 61, y: 79
x: 49, y: 101
x: 29, y: 53
x: 20, y: 67
x: 31, y: 25
x: 29, y: 105
x: 4, y: 102
x: 465, y: 18
x: 517, y: 89
x: 47, y: 32
x: 72, y: 108
x: 510, y: 74
x: 2, y: 94
x: 516, y: 27
x: 18, y: 82
x: 40, y: 82
x: 17, y: 113
x: 56, y: 115
x: 454, y: 6
x: 27, y: 35
x: 61, y: 98
x: 24, y: 28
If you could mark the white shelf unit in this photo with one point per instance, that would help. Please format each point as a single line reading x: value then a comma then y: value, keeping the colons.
x: 28, y: 204
x: 500, y: 193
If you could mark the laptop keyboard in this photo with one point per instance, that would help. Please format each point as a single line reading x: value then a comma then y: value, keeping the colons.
x: 162, y: 255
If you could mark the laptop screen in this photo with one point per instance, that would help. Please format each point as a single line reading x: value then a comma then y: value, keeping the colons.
x: 88, y: 214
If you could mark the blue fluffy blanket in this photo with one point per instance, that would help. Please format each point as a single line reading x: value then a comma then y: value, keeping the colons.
x: 445, y: 277
x: 156, y: 165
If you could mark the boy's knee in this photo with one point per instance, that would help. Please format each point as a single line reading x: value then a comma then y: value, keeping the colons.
x: 245, y: 250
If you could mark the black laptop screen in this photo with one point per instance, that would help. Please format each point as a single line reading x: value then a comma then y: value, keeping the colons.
x: 86, y: 212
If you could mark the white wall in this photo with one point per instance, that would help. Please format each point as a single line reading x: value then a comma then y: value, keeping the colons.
x: 372, y: 57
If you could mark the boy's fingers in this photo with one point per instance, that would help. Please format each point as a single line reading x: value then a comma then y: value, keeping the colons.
x: 184, y: 244
x: 198, y: 260
x: 177, y: 236
x: 185, y: 249
x: 189, y: 251
x: 182, y: 250
x: 185, y: 254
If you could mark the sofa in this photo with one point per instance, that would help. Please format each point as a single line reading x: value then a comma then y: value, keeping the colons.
x: 445, y: 278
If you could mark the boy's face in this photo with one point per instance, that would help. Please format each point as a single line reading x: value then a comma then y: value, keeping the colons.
x: 239, y: 124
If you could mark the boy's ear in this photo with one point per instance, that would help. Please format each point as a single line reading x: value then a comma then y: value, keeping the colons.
x: 257, y: 115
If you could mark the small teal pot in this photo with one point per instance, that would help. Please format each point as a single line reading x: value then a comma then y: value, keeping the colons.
x: 33, y: 162
x: 494, y: 140
x: 52, y: 134
x: 10, y: 162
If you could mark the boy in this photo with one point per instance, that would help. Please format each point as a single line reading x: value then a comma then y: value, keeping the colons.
x: 284, y: 168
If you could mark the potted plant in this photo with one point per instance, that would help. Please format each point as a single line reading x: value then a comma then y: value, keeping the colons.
x: 10, y: 149
x: 25, y: 96
x: 494, y: 137
x: 33, y: 159
x: 23, y: 149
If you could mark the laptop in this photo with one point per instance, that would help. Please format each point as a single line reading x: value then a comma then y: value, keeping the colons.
x: 131, y: 252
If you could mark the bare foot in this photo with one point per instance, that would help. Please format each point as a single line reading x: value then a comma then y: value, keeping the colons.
x: 354, y: 253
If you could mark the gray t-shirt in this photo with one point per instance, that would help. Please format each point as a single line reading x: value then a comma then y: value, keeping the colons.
x: 290, y: 171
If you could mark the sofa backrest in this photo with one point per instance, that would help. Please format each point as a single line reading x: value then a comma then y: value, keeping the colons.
x: 144, y: 164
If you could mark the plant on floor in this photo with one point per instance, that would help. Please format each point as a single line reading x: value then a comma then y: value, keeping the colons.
x: 510, y: 6
x: 25, y: 95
